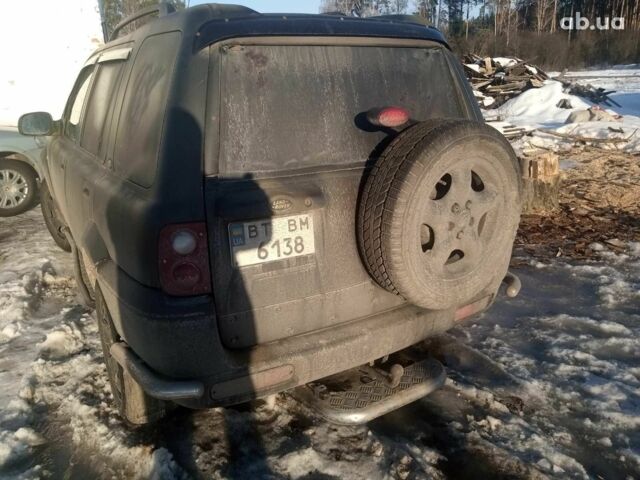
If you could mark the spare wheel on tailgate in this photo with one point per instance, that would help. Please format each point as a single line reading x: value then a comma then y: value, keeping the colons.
x: 439, y: 212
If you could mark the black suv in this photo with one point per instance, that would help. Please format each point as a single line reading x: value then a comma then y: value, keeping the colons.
x: 260, y: 203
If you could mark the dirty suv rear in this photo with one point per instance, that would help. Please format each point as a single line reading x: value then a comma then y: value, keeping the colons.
x: 280, y: 203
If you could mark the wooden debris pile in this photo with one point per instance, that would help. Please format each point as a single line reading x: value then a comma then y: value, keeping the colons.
x: 596, y: 95
x: 496, y: 80
x: 510, y: 131
x: 580, y: 141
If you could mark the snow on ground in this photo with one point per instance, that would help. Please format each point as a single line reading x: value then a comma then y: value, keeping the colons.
x: 537, y: 108
x: 41, y: 55
x: 34, y: 280
x: 572, y: 345
x: 546, y: 385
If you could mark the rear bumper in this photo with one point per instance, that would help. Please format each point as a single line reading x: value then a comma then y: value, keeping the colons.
x: 178, y: 349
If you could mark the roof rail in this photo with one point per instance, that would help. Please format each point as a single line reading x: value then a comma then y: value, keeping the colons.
x: 162, y: 9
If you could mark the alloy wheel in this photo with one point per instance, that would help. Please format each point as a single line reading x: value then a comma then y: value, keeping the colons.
x: 14, y: 189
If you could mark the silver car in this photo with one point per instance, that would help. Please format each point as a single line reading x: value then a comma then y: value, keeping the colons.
x: 20, y: 160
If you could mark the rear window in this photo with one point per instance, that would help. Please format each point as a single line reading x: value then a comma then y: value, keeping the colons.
x: 294, y: 107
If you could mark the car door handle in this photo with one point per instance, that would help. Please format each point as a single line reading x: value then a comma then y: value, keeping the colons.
x: 86, y: 192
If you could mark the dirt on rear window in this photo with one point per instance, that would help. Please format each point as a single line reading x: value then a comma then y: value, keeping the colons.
x: 292, y: 107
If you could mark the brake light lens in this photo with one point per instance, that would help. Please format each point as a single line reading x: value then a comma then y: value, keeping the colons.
x: 184, y: 260
x: 390, y: 116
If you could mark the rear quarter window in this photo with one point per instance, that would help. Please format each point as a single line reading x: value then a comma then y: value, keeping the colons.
x: 286, y: 107
x: 144, y: 108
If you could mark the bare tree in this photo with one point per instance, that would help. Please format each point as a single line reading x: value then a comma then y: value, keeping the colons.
x: 397, y: 6
x: 365, y: 8
x: 356, y: 8
x: 114, y: 11
x: 426, y: 9
x: 545, y: 15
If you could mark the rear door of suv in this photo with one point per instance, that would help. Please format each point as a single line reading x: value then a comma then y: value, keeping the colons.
x: 90, y: 159
x: 85, y: 151
x: 292, y: 146
x: 61, y: 147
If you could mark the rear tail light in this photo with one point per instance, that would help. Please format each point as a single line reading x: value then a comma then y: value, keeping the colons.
x: 184, y: 242
x: 184, y: 260
x: 389, y: 116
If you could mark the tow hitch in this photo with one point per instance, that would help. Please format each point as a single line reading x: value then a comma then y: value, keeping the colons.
x: 513, y: 285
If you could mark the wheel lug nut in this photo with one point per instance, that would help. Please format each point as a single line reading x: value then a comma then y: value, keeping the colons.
x: 460, y: 235
x: 468, y: 204
x: 455, y: 208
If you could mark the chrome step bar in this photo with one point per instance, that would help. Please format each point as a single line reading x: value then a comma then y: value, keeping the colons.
x: 357, y: 396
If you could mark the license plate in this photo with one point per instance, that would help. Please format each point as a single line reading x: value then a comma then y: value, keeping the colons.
x: 272, y: 239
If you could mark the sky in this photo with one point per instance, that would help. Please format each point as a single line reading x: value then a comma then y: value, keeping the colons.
x: 271, y: 6
x: 37, y: 78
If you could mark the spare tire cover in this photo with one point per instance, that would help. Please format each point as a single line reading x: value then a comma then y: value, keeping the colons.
x: 439, y: 212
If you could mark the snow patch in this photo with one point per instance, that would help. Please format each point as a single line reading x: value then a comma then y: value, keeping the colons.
x: 61, y: 343
x: 10, y: 331
x: 537, y: 106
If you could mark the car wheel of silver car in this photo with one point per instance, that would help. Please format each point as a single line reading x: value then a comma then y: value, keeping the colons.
x: 18, y: 187
x: 439, y: 213
x: 52, y: 218
x: 133, y: 404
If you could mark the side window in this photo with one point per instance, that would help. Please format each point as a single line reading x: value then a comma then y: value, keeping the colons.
x: 143, y: 109
x: 98, y: 105
x: 76, y: 104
